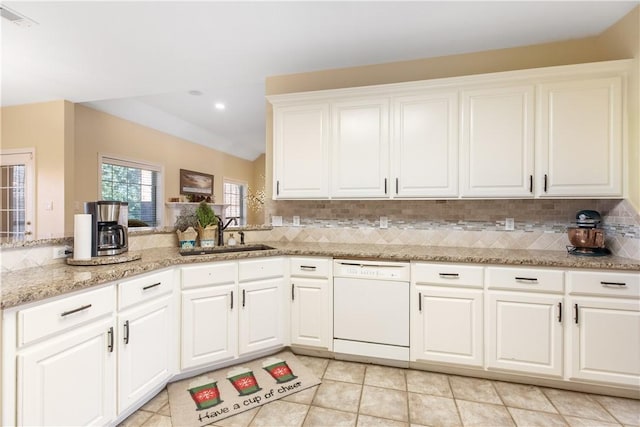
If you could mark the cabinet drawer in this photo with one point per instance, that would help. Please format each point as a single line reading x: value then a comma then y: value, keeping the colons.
x: 603, y: 283
x: 144, y: 288
x: 525, y: 279
x: 261, y: 268
x: 310, y: 267
x: 209, y: 274
x: 447, y: 274
x: 66, y: 313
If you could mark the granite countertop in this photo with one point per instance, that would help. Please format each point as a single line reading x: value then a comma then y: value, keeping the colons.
x: 37, y: 283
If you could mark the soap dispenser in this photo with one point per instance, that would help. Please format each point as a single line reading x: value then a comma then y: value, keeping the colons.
x: 231, y: 241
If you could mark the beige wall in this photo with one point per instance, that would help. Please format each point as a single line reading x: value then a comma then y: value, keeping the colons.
x: 257, y: 183
x: 619, y: 42
x: 45, y: 127
x: 97, y: 132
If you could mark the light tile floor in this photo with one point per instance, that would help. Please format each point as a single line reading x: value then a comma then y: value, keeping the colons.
x: 364, y: 395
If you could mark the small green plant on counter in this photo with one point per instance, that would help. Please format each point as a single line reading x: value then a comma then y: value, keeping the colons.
x: 205, y: 215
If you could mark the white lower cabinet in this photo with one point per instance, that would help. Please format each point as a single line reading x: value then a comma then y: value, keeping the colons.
x: 447, y: 314
x: 144, y: 349
x: 69, y: 380
x: 146, y: 342
x: 311, y: 307
x: 209, y: 325
x: 525, y: 332
x: 449, y: 327
x: 59, y: 361
x: 525, y: 316
x: 605, y: 325
x: 209, y: 314
x: 261, y: 319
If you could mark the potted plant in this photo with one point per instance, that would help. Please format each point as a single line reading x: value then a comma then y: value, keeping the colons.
x: 186, y: 224
x: 207, y: 224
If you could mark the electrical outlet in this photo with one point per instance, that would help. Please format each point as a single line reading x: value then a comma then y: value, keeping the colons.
x: 384, y: 222
x: 296, y: 221
x: 509, y: 224
x: 276, y: 221
x: 61, y: 252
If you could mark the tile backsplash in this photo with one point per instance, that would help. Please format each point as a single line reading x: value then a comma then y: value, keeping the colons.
x: 539, y: 224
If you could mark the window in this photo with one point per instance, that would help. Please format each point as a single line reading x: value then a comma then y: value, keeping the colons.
x: 234, y: 199
x: 136, y: 183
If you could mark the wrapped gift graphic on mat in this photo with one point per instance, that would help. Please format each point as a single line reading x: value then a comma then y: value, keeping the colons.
x: 206, y: 395
x: 243, y: 380
x: 278, y: 369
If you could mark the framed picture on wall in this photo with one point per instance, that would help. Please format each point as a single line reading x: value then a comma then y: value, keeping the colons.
x: 196, y: 183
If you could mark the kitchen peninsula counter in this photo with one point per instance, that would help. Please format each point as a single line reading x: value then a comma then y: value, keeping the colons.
x: 37, y: 283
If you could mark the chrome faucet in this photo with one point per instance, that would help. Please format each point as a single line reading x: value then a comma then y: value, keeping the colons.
x: 222, y: 227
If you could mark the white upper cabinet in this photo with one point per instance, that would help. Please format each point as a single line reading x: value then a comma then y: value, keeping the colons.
x: 580, y: 138
x: 360, y: 146
x: 425, y: 145
x: 301, y: 152
x: 544, y: 132
x: 497, y: 142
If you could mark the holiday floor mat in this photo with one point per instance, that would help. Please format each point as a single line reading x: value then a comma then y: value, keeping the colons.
x: 216, y: 395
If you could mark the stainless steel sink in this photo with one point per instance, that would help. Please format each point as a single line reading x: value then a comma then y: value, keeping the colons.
x: 224, y: 249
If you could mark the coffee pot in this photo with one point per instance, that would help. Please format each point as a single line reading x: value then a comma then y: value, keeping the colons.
x: 109, y: 234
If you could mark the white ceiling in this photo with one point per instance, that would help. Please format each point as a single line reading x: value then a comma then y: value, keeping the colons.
x: 139, y: 60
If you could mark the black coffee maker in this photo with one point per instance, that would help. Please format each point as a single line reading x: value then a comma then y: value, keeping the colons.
x: 109, y: 235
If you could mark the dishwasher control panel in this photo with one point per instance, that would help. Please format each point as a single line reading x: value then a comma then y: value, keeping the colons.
x: 378, y: 270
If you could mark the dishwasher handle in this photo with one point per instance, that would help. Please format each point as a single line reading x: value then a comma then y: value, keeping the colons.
x: 360, y: 264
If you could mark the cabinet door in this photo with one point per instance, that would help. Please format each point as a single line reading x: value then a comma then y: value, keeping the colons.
x: 604, y: 340
x: 209, y: 325
x: 497, y: 142
x: 360, y: 147
x: 301, y: 152
x: 70, y: 379
x: 448, y: 326
x: 262, y: 312
x: 580, y: 138
x: 425, y: 146
x: 145, y: 349
x: 525, y: 333
x: 310, y: 312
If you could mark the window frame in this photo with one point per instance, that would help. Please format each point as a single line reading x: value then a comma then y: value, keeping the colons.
x: 138, y: 164
x: 243, y: 201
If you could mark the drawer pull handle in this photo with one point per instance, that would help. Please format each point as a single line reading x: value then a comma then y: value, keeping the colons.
x: 243, y: 298
x: 575, y: 309
x: 614, y: 284
x: 293, y: 295
x: 308, y: 267
x: 110, y: 336
x: 231, y: 300
x: 560, y: 312
x: 449, y: 275
x: 420, y: 302
x: 75, y: 310
x: 126, y: 332
x: 151, y: 286
x: 529, y: 280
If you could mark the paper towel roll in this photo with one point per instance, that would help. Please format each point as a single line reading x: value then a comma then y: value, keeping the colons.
x: 82, y: 236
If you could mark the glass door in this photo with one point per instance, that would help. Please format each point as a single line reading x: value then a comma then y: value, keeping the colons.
x: 16, y: 195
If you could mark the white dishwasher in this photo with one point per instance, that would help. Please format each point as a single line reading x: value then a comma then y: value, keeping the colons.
x: 371, y: 308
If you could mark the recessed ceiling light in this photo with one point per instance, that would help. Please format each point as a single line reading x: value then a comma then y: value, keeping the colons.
x: 195, y: 93
x: 219, y: 106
